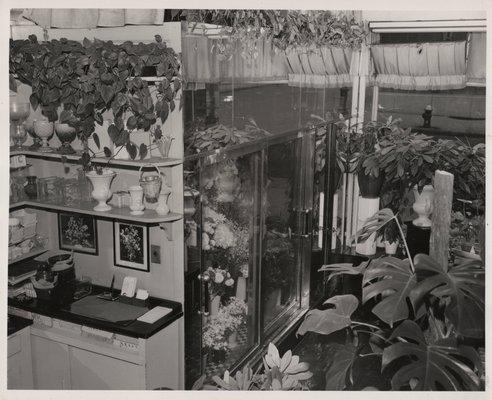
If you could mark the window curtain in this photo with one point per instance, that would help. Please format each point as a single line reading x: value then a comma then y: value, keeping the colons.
x: 424, y: 66
x: 475, y: 69
x: 327, y: 67
x: 92, y: 17
x: 203, y: 63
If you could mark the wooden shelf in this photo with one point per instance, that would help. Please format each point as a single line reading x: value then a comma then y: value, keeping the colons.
x: 158, y: 161
x: 33, y: 253
x: 86, y: 207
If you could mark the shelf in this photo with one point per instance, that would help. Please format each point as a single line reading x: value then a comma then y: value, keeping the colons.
x: 33, y: 253
x: 157, y: 161
x: 86, y: 207
x: 13, y: 169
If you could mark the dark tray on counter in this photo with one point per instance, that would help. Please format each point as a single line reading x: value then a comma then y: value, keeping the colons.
x: 135, y: 329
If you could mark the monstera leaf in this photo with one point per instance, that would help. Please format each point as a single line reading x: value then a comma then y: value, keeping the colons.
x: 394, y: 280
x: 343, y: 269
x: 332, y: 319
x: 376, y: 222
x: 436, y: 366
x: 463, y: 285
x: 342, y: 360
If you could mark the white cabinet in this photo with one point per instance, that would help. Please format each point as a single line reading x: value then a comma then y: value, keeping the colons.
x: 19, y: 370
x: 50, y: 364
x: 67, y: 357
x: 98, y: 372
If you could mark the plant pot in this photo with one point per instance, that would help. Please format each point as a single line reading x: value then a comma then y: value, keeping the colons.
x: 423, y: 206
x: 390, y: 248
x: 101, y: 188
x: 67, y: 135
x: 369, y: 186
x: 151, y: 185
x: 164, y: 145
x: 44, y: 130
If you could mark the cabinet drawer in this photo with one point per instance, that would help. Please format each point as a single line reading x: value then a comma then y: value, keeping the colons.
x: 13, y: 345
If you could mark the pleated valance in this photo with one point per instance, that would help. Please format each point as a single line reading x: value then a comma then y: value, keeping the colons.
x: 426, y: 66
x: 203, y: 63
x: 475, y: 69
x: 86, y: 18
x: 320, y: 68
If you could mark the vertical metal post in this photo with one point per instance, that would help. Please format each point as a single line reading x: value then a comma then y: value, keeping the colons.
x: 330, y: 187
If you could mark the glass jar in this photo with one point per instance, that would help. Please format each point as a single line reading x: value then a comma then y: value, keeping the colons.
x: 31, y: 188
x: 71, y: 192
x: 18, y: 134
x: 16, y: 231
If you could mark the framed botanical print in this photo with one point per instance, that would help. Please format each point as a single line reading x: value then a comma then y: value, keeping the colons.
x: 131, y: 246
x: 77, y: 232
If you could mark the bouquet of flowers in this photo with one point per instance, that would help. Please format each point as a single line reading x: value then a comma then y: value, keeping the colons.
x: 220, y: 279
x: 229, y: 319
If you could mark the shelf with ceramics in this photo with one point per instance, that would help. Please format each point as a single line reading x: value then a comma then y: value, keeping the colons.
x: 157, y: 161
x: 148, y: 216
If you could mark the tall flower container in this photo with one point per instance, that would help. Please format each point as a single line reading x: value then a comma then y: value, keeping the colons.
x: 101, y: 187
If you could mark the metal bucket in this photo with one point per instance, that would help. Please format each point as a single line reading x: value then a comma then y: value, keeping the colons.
x: 151, y: 184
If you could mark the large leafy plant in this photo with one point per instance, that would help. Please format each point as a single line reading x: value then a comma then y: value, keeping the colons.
x: 424, y: 313
x: 86, y: 79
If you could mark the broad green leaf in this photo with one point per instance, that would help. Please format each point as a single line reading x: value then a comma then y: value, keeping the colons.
x: 463, y: 284
x: 394, y: 280
x: 343, y: 269
x: 376, y: 222
x: 332, y: 319
x: 342, y: 359
x: 437, y: 366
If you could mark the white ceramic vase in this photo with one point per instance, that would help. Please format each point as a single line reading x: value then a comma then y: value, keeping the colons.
x: 162, y: 207
x: 390, y: 248
x: 101, y: 187
x: 423, y: 206
x: 136, y: 200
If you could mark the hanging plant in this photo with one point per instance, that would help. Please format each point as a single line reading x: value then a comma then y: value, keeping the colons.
x: 285, y: 28
x: 86, y: 79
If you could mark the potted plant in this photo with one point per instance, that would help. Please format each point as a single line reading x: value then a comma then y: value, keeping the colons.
x: 390, y: 236
x: 78, y: 82
x: 421, y: 311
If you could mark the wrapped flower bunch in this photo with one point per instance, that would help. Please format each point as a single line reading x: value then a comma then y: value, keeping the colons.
x: 229, y: 319
x: 224, y: 179
x: 217, y: 231
x: 220, y: 279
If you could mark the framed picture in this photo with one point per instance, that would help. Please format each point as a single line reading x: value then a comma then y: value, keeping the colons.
x: 77, y: 232
x: 131, y: 246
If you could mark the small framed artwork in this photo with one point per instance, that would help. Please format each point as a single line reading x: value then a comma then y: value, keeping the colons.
x: 77, y: 232
x: 131, y: 246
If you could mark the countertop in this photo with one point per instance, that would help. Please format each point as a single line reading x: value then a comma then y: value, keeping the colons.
x: 135, y: 329
x: 15, y: 324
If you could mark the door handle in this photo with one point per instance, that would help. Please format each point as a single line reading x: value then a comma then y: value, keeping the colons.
x: 205, y: 279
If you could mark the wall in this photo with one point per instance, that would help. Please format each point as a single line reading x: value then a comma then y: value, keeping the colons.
x: 164, y: 280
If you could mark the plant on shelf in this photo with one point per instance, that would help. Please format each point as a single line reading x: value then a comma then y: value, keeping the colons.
x: 286, y: 29
x: 219, y: 136
x: 278, y: 373
x: 428, y: 320
x: 84, y: 80
x: 465, y: 232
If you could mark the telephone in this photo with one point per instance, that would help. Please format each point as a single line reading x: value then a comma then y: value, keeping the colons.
x: 129, y: 286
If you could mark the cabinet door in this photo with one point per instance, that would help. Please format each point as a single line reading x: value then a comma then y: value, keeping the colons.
x: 14, y: 372
x: 50, y: 364
x: 98, y: 372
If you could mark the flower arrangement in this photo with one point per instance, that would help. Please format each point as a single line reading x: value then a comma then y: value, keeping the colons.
x: 217, y: 231
x: 228, y: 319
x: 129, y: 237
x: 220, y: 279
x: 77, y: 233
